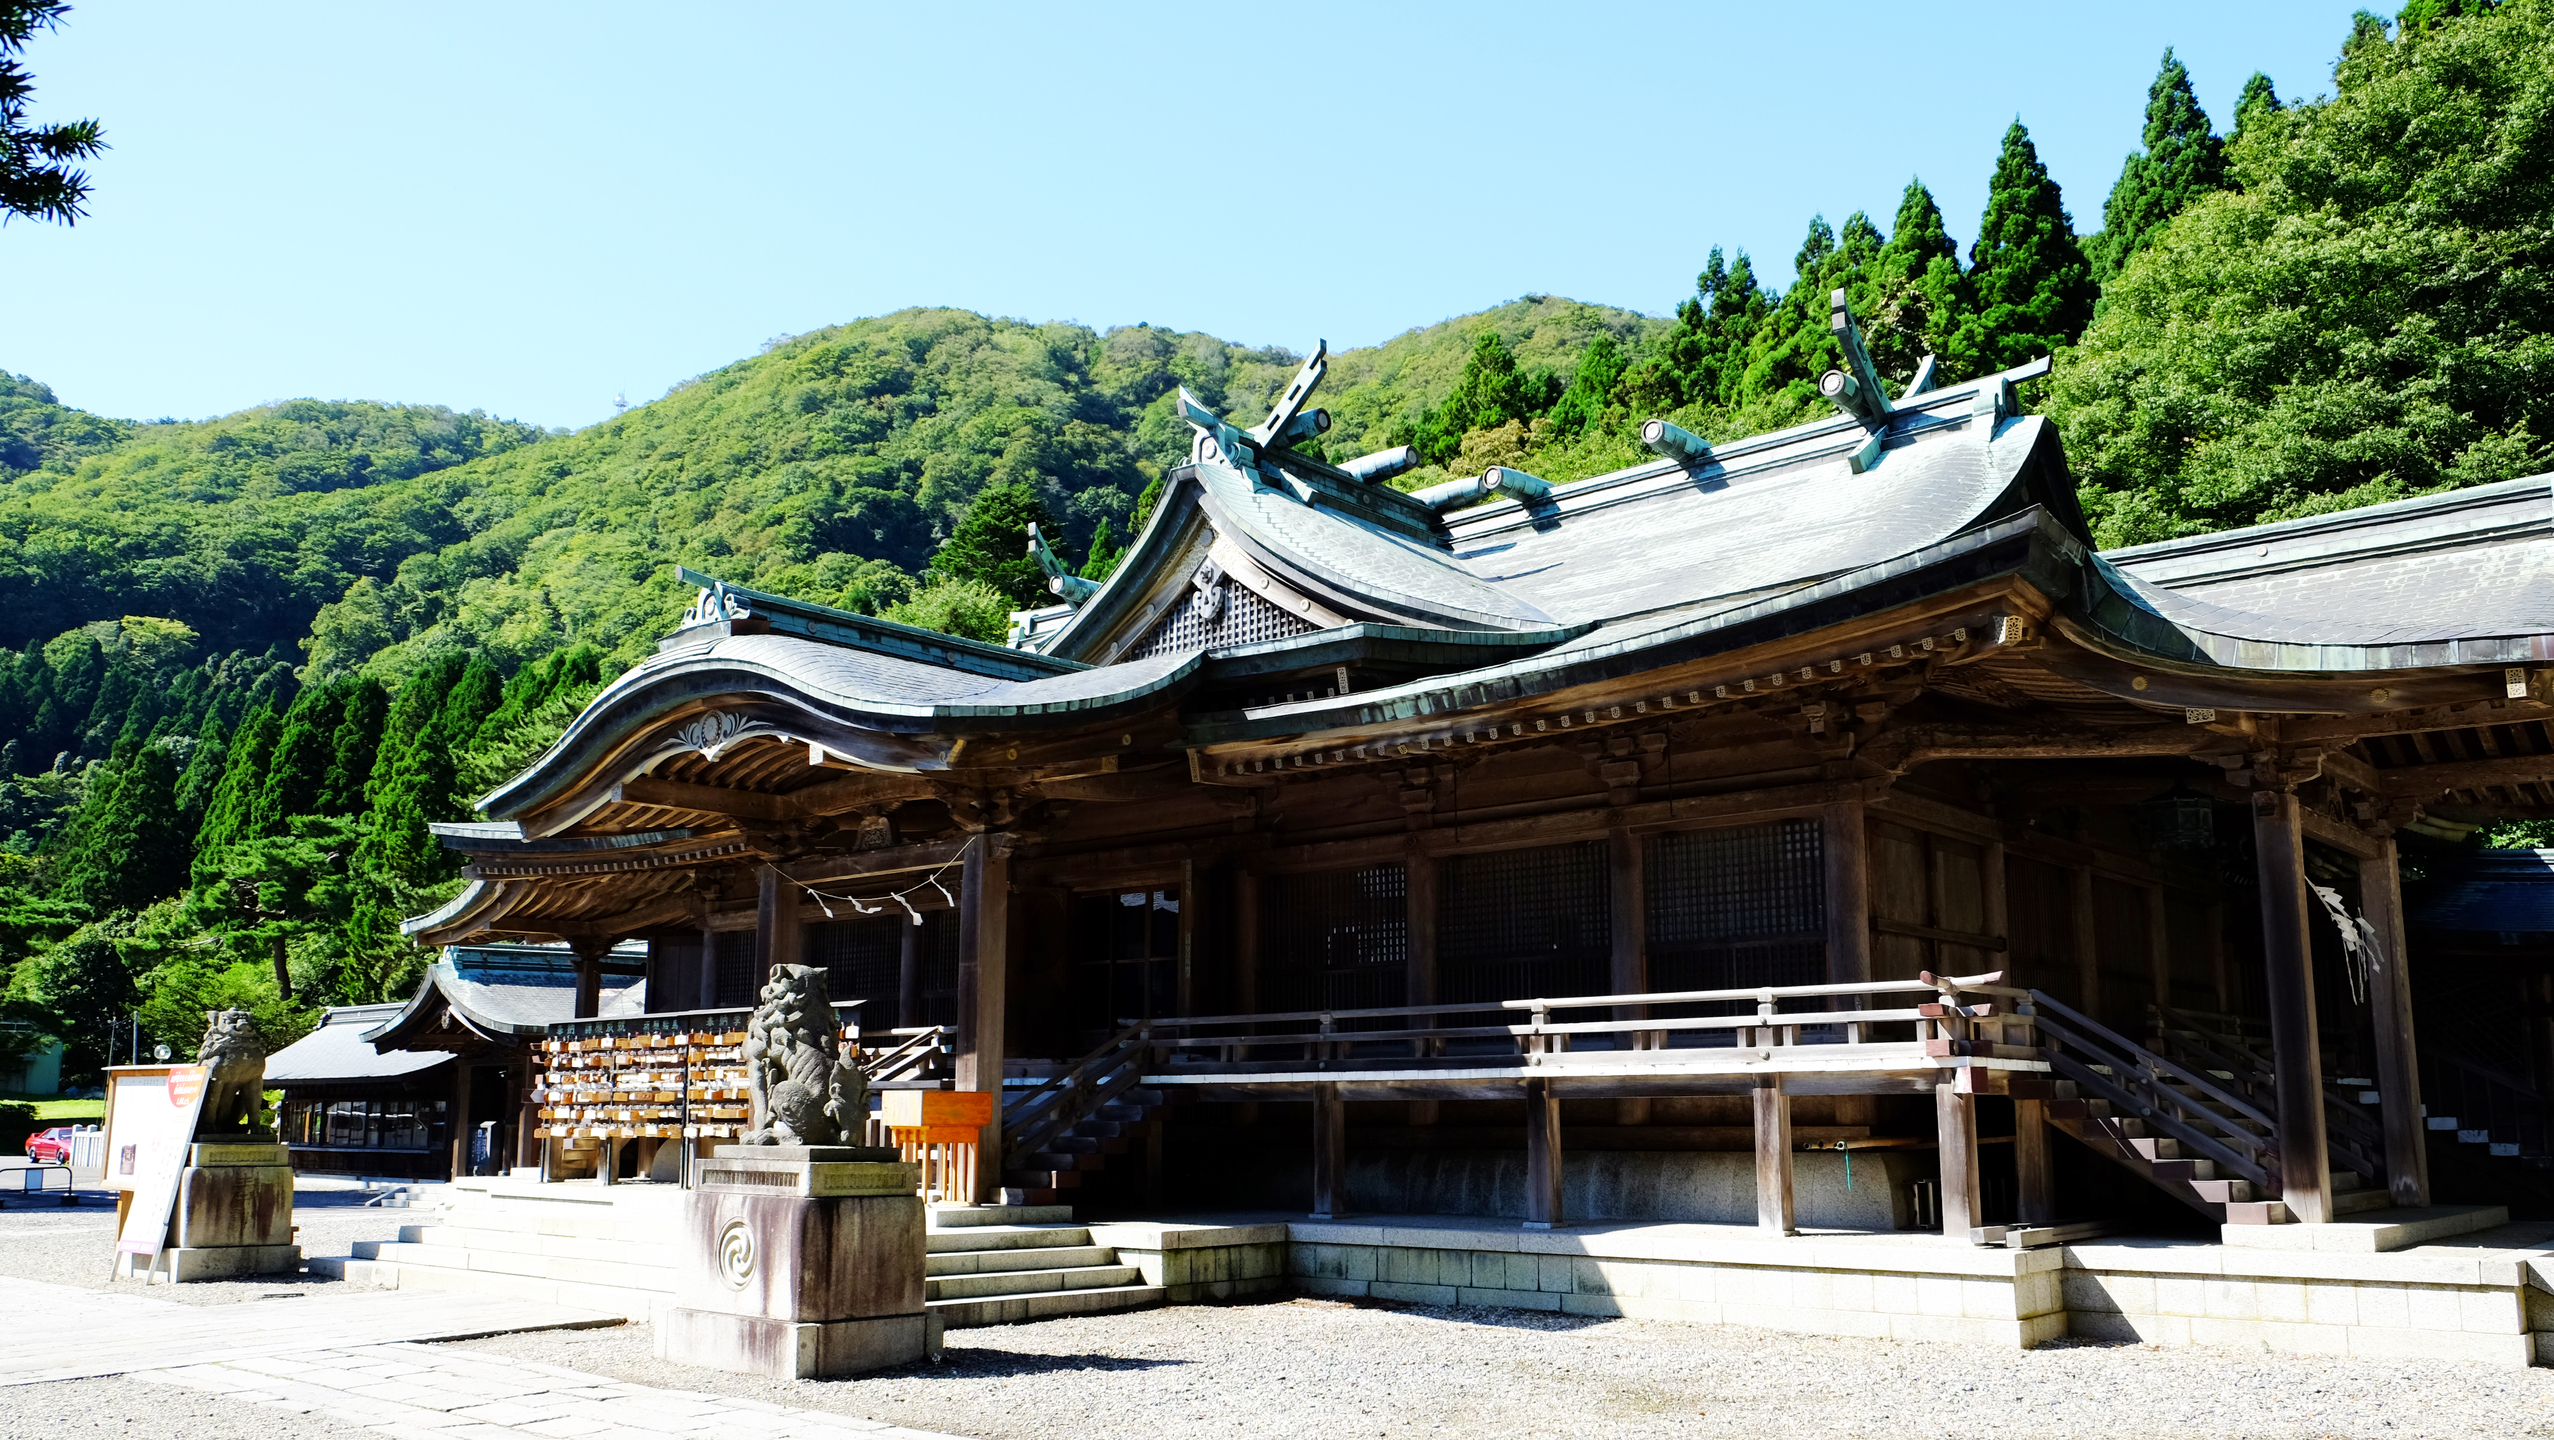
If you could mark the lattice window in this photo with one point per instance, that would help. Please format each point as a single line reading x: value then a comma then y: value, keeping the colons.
x: 1524, y: 923
x: 862, y: 960
x: 1242, y: 617
x: 1746, y: 905
x: 738, y: 977
x: 1334, y: 940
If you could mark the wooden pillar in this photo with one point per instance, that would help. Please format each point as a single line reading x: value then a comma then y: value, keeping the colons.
x: 457, y: 1115
x: 2305, y: 1163
x: 2088, y: 947
x: 1773, y: 1158
x: 984, y: 948
x: 1542, y: 1156
x: 1630, y: 970
x: 1955, y: 1118
x: 707, y: 998
x: 1420, y: 985
x: 2037, y: 1189
x: 2219, y: 975
x: 1246, y: 937
x: 2398, y: 1052
x: 1848, y: 852
x: 1187, y: 938
x: 1995, y: 912
x: 2159, y: 950
x: 1329, y: 1153
x: 589, y: 975
x: 908, y: 975
x: 776, y: 927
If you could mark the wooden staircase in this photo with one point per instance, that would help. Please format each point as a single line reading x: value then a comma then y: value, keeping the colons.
x: 1064, y: 1130
x: 2192, y: 1114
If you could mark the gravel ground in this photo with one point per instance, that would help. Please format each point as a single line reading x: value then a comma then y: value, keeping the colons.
x: 45, y: 1240
x: 1291, y: 1369
x: 118, y: 1407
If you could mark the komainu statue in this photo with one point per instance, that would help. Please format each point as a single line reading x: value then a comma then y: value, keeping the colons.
x: 804, y: 1091
x: 235, y: 1085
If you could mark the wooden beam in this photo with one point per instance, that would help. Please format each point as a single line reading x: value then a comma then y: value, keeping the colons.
x: 2398, y: 1051
x: 2304, y: 729
x: 2347, y: 838
x: 984, y: 950
x: 2305, y: 1164
x: 1847, y: 844
x: 2428, y: 782
x: 830, y: 798
x: 1329, y: 1153
x: 896, y: 859
x: 1774, y: 1193
x: 1903, y: 750
x: 1955, y: 1118
x: 1542, y: 1157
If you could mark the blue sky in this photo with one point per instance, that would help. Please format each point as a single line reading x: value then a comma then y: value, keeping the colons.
x: 528, y: 208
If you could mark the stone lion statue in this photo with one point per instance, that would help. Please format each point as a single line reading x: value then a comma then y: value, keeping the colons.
x: 234, y: 1088
x: 803, y: 1091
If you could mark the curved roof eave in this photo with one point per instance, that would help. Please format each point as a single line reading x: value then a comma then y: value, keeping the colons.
x: 2032, y: 544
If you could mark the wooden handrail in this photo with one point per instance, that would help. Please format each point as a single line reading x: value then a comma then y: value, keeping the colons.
x: 1781, y: 1020
x: 1044, y: 1112
x: 1752, y: 993
x: 2131, y: 1050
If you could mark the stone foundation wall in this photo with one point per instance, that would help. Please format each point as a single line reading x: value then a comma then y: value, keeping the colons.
x: 2383, y: 1307
x: 1714, y: 1187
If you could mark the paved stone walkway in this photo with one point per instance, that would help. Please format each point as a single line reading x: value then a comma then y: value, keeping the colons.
x: 437, y: 1392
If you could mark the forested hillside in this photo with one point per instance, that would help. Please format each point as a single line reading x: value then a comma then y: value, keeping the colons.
x: 244, y: 661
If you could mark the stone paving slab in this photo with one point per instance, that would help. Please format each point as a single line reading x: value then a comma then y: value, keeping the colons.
x: 446, y: 1394
x: 89, y: 1333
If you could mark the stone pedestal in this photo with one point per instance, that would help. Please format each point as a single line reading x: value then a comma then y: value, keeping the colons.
x: 234, y: 1214
x: 800, y: 1262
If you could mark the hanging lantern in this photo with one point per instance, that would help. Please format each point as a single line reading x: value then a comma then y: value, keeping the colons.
x: 2180, y: 819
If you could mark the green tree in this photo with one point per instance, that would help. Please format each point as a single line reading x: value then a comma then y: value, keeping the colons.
x: 297, y: 772
x: 129, y: 847
x: 991, y: 545
x: 203, y: 774
x: 1592, y: 387
x: 414, y: 774
x: 1105, y: 553
x: 2367, y: 318
x: 2182, y: 161
x: 231, y: 815
x: 1916, y: 296
x: 86, y: 986
x: 1700, y: 360
x: 37, y: 179
x: 2253, y: 109
x: 1492, y: 392
x: 1796, y: 344
x: 354, y: 747
x: 970, y: 608
x: 2035, y: 289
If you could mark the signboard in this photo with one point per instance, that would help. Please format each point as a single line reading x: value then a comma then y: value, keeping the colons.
x: 143, y: 1086
x: 151, y: 1124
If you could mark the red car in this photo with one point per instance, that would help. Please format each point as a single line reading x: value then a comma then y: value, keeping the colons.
x: 50, y: 1147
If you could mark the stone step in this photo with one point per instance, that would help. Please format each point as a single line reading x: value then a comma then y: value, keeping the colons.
x: 589, y: 1223
x: 570, y: 1247
x: 625, y: 1301
x: 2353, y: 1202
x: 1044, y: 1257
x: 970, y: 1238
x: 2152, y: 1148
x: 2375, y: 1231
x: 953, y: 1217
x: 621, y: 1274
x: 2222, y: 1192
x: 2188, y: 1170
x: 1025, y: 1282
x: 1045, y: 1305
x: 2345, y: 1181
x: 2256, y: 1212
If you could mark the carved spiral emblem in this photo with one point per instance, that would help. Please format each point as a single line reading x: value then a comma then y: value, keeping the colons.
x: 736, y: 1253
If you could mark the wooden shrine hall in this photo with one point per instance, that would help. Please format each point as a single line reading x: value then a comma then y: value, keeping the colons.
x: 1623, y: 848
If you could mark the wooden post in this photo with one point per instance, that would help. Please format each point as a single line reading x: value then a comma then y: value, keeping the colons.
x: 1420, y: 984
x: 708, y: 996
x: 2159, y: 950
x: 1186, y: 938
x: 2218, y: 974
x: 2305, y: 1162
x: 1630, y: 970
x: 589, y: 975
x: 1246, y: 957
x: 1955, y: 1119
x: 2088, y: 947
x: 1848, y: 854
x: 2037, y: 1187
x: 984, y: 948
x: 1995, y: 912
x: 459, y: 1122
x: 908, y: 974
x: 2398, y: 1052
x: 1773, y: 1158
x: 1329, y: 1152
x: 776, y: 927
x: 1542, y: 1156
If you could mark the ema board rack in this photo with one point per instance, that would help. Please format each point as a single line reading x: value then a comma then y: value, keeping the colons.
x: 664, y: 1077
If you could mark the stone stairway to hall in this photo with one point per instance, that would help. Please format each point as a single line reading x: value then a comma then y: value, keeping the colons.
x: 613, y: 1249
x: 1064, y: 1161
x: 2194, y: 1181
